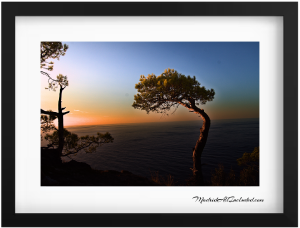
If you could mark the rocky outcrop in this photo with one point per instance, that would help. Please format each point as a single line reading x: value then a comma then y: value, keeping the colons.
x: 56, y: 173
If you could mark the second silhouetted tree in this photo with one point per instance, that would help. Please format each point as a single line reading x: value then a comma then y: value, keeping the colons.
x: 62, y: 139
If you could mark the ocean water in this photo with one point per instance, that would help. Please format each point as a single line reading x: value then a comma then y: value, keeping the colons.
x: 145, y: 148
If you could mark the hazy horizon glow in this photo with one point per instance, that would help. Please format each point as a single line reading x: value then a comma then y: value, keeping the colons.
x: 102, y: 77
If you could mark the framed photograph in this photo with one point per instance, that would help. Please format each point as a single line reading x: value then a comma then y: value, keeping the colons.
x: 104, y: 131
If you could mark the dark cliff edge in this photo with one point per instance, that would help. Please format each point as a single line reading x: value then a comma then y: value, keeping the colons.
x: 56, y: 173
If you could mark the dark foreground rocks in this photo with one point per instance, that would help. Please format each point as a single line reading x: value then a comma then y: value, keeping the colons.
x: 73, y: 173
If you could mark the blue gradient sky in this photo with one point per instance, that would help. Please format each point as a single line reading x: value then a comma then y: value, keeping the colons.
x: 102, y: 76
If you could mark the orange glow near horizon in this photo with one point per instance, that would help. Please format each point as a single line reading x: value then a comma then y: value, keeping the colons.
x: 93, y: 120
x: 86, y: 114
x: 83, y: 113
x: 89, y: 119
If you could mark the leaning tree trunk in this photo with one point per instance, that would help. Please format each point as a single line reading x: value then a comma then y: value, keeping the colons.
x: 198, y: 149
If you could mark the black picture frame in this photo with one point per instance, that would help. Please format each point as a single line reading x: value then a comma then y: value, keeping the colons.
x: 289, y: 11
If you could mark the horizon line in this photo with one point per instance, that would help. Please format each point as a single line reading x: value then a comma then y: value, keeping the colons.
x: 156, y: 122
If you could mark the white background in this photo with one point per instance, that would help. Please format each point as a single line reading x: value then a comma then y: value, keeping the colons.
x: 32, y: 198
x: 120, y: 0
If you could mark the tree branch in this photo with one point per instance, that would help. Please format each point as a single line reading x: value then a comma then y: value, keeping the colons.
x: 43, y: 72
x: 49, y: 113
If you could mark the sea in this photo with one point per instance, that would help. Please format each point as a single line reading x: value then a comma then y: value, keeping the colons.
x: 165, y: 148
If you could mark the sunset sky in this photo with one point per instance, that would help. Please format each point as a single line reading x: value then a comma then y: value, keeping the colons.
x: 102, y: 78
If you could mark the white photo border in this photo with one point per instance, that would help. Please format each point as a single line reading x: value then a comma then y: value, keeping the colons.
x: 32, y: 198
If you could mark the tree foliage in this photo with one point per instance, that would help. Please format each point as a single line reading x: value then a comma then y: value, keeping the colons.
x: 47, y: 124
x: 249, y: 159
x: 73, y: 143
x: 60, y: 81
x: 170, y: 89
x: 221, y: 178
x: 249, y: 175
x: 52, y: 50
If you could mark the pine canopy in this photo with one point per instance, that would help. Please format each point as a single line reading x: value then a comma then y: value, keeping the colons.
x: 51, y: 50
x: 160, y: 93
